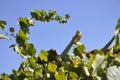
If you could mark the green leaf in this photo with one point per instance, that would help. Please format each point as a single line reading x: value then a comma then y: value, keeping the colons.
x: 26, y: 51
x: 20, y: 50
x: 52, y: 13
x: 100, y: 72
x: 21, y: 38
x: 58, y: 18
x: 25, y: 69
x: 76, y: 61
x: 79, y: 50
x: 24, y: 24
x: 43, y: 12
x: 43, y: 55
x: 60, y: 76
x: 67, y: 16
x: 118, y: 25
x: 26, y: 79
x: 38, y: 72
x: 3, y: 24
x: 27, y: 73
x: 30, y: 49
x: 32, y: 61
x: 39, y: 15
x: 4, y: 77
x: 90, y: 60
x: 36, y: 14
x: 73, y: 75
x: 52, y: 67
x: 15, y: 72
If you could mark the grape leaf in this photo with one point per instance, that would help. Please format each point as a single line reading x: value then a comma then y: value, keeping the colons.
x: 52, y: 67
x: 21, y: 38
x: 73, y: 75
x: 24, y: 24
x: 33, y: 63
x: 60, y: 76
x: 30, y: 49
x: 43, y: 56
x: 79, y: 50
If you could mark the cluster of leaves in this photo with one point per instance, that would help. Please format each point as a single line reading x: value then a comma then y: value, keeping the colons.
x: 48, y: 65
x: 24, y: 48
x: 47, y: 17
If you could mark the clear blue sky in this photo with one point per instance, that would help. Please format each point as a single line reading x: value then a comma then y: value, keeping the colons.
x: 96, y: 19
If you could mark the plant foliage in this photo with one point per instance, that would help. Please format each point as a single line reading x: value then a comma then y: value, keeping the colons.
x: 48, y: 65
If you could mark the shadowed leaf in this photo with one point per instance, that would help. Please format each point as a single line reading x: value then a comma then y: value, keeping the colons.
x: 3, y: 24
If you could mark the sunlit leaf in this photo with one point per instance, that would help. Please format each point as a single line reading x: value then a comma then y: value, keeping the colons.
x: 28, y: 73
x: 38, y: 72
x: 24, y: 24
x: 43, y: 56
x: 73, y: 75
x: 4, y: 77
x: 25, y: 69
x: 33, y: 63
x: 21, y: 38
x: 52, y: 67
x: 52, y: 13
x: 79, y: 50
x: 43, y: 12
x: 36, y: 14
x: 60, y: 76
x: 20, y: 50
x: 3, y: 24
x: 90, y: 60
x: 30, y: 49
x: 26, y: 79
x: 76, y: 61
x: 58, y: 18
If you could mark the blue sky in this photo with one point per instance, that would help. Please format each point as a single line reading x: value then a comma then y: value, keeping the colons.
x: 96, y: 19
